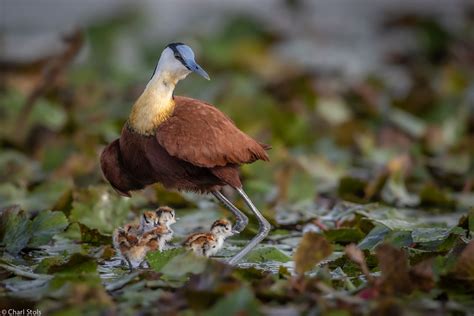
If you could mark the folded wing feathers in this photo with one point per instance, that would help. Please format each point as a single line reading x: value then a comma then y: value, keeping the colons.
x: 202, y: 135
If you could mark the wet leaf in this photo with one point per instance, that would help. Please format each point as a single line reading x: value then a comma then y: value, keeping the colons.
x: 429, y: 234
x: 16, y: 229
x: 99, y: 208
x: 344, y: 235
x: 158, y: 259
x: 183, y: 264
x: 265, y: 254
x: 45, y: 225
x: 374, y: 237
x: 312, y: 249
x: 93, y: 236
x: 78, y: 268
x: 240, y: 302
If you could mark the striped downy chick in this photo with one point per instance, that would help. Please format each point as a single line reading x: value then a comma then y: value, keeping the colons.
x: 124, y: 238
x: 135, y: 255
x: 163, y: 232
x: 151, y: 239
x: 208, y: 244
x: 165, y: 216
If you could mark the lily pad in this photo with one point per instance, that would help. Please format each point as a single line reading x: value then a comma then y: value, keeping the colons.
x: 45, y: 226
x: 344, y: 235
x: 93, y: 236
x: 374, y: 237
x: 16, y: 229
x: 239, y: 302
x: 265, y: 254
x: 99, y: 208
x: 182, y: 264
x: 158, y: 260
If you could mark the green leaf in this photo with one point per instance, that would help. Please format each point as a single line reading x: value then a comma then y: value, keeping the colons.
x: 49, y: 114
x: 239, y: 302
x: 374, y: 238
x: 471, y: 220
x: 76, y: 264
x: 46, y: 263
x: 352, y: 189
x: 184, y: 263
x: 344, y: 235
x: 397, y: 224
x: 45, y: 226
x: 78, y: 268
x: 42, y: 197
x: 16, y: 229
x: 428, y: 234
x: 265, y: 254
x: 158, y: 260
x: 432, y: 196
x: 100, y: 208
x: 93, y: 236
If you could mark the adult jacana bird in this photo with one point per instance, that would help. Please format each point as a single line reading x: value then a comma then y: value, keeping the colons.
x: 183, y: 143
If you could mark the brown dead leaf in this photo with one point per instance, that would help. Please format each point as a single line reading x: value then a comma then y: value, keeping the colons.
x: 393, y: 263
x: 422, y: 275
x: 464, y: 269
x: 312, y: 249
x: 357, y: 256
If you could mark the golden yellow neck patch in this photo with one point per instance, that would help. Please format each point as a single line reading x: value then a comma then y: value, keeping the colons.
x: 153, y: 107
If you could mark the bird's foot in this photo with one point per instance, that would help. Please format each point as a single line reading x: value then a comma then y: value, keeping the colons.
x: 239, y: 226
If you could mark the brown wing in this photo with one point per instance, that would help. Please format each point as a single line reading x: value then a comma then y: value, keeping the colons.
x: 118, y: 177
x: 202, y: 135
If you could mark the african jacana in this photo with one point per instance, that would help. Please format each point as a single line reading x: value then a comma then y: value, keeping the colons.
x: 183, y: 143
x: 208, y: 244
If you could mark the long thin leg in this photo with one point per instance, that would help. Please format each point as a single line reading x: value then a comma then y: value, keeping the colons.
x: 263, y: 230
x: 241, y: 219
x: 130, y: 267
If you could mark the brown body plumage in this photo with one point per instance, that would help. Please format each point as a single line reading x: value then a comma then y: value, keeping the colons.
x: 198, y: 148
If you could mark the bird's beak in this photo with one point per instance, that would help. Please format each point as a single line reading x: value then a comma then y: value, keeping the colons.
x: 193, y: 66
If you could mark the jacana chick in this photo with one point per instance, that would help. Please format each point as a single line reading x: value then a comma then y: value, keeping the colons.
x: 128, y: 235
x: 208, y: 244
x: 133, y: 247
x: 166, y: 217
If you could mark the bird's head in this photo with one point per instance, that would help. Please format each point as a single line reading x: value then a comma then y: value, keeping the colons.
x: 177, y: 60
x: 222, y: 228
x: 166, y: 216
x: 148, y: 220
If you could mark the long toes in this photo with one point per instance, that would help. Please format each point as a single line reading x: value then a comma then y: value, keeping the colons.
x: 238, y: 227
